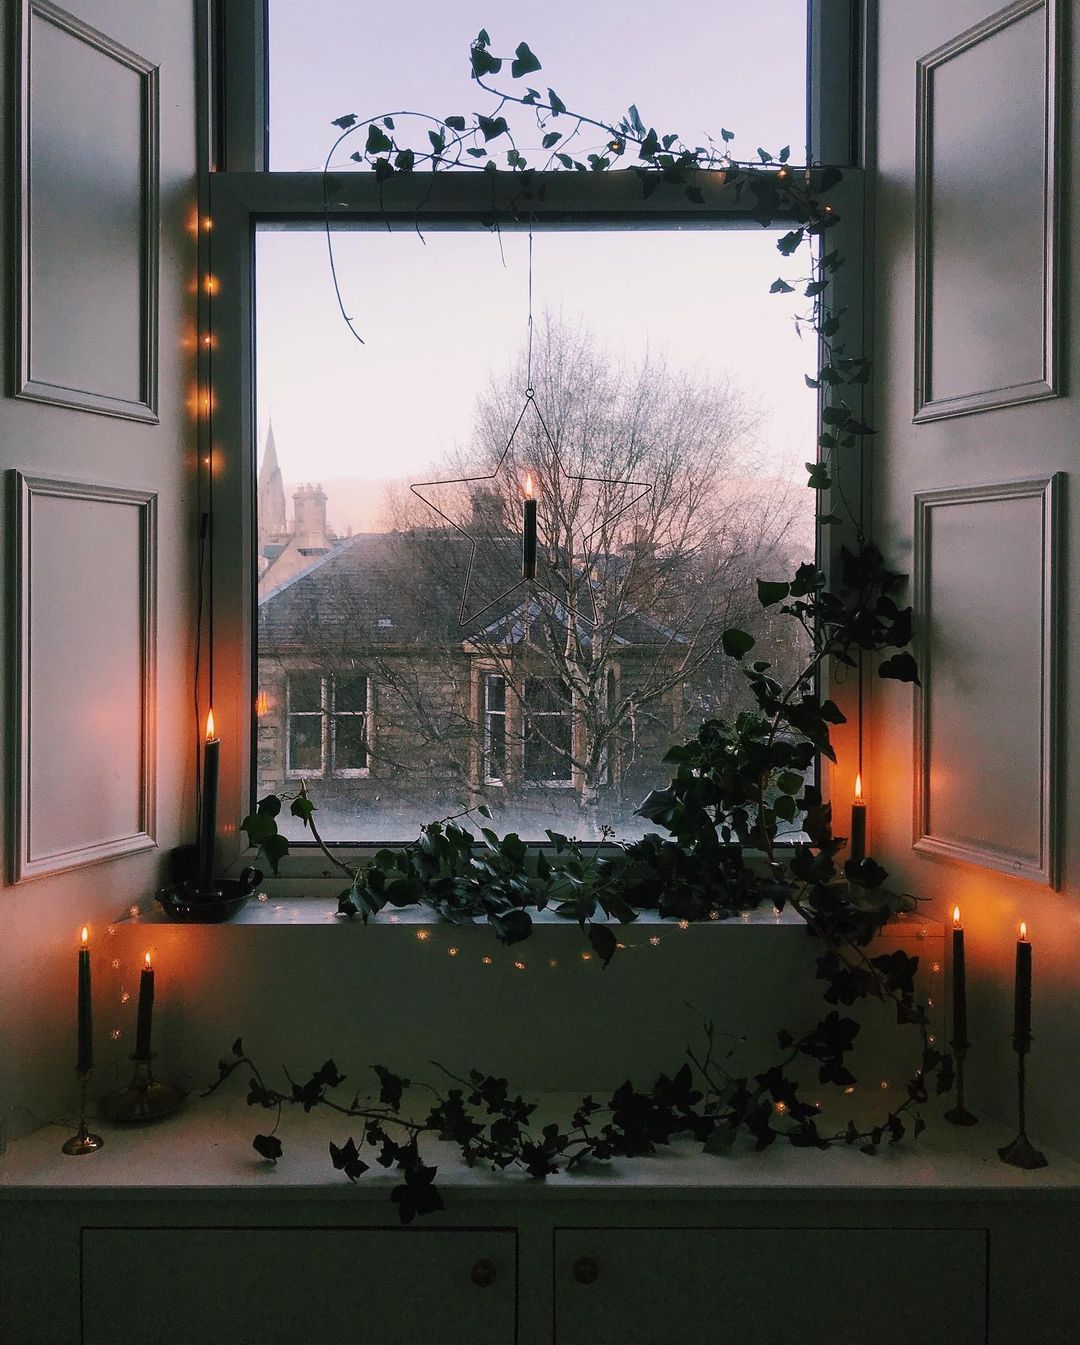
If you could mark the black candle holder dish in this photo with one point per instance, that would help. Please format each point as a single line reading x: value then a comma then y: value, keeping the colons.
x: 226, y: 897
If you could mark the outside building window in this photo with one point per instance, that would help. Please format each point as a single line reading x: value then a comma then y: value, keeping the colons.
x: 494, y: 728
x: 548, y: 750
x: 327, y: 725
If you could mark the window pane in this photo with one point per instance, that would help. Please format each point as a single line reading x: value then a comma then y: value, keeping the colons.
x: 350, y: 694
x: 659, y: 357
x: 350, y: 743
x: 305, y: 743
x: 702, y: 65
x: 305, y: 693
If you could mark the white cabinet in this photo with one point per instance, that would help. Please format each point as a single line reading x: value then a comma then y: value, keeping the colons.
x: 280, y: 1286
x: 735, y: 1286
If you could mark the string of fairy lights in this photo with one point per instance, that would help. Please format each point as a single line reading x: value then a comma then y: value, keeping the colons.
x: 446, y: 942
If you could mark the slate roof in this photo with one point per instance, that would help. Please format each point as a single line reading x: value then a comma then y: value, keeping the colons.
x: 388, y: 590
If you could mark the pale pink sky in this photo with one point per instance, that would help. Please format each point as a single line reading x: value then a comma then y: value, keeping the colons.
x: 439, y: 319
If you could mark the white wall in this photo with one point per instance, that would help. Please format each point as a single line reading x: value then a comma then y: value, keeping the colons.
x: 95, y: 688
x: 987, y: 772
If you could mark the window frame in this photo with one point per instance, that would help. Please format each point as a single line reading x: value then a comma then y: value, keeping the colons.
x: 238, y: 198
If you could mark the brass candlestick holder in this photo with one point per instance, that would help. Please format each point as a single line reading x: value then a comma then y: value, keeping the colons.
x: 1021, y: 1153
x: 82, y: 1142
x: 144, y: 1099
x: 959, y: 1115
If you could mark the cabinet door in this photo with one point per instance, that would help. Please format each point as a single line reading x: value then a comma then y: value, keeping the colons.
x: 282, y: 1286
x: 736, y: 1286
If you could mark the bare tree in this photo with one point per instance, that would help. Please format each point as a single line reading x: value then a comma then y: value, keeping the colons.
x: 655, y: 514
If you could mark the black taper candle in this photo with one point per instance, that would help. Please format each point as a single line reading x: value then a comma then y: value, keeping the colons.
x: 208, y: 814
x: 146, y: 1012
x: 858, y: 832
x: 959, y: 985
x: 84, y: 1054
x: 528, y: 539
x: 1022, y: 1002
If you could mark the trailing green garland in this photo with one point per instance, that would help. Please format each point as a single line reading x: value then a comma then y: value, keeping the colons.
x: 733, y: 785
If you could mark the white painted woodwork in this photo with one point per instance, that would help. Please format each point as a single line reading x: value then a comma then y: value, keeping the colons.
x: 180, y: 1231
x: 986, y: 216
x: 991, y: 778
x: 85, y: 724
x: 88, y: 217
x: 78, y: 95
x: 756, y: 1286
x: 266, y: 1286
x: 298, y: 979
x: 989, y: 798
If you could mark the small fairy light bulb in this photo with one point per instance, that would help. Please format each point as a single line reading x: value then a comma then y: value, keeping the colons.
x: 849, y: 1089
x: 884, y: 1085
x: 654, y: 939
x: 553, y: 963
x: 519, y: 966
x: 115, y: 1034
x: 125, y: 995
x: 133, y: 911
x: 115, y: 964
x: 586, y: 957
x: 781, y: 1107
x: 486, y: 960
x: 422, y: 935
x: 452, y: 952
x: 684, y: 925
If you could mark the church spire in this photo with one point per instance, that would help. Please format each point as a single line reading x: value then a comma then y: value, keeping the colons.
x: 271, y: 492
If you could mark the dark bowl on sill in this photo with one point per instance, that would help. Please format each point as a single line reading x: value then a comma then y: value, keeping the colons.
x: 227, y: 897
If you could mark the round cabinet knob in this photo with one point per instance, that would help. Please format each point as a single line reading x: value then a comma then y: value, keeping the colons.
x: 483, y: 1274
x: 585, y: 1270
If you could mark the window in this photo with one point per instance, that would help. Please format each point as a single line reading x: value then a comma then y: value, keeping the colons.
x: 658, y: 357
x: 328, y: 720
x: 494, y: 729
x: 548, y: 751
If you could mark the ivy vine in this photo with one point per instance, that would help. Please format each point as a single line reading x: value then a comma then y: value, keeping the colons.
x: 733, y: 785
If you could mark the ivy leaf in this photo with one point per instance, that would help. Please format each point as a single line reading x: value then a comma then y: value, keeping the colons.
x: 770, y: 591
x: 636, y: 124
x: 302, y: 807
x: 552, y: 138
x: 455, y: 123
x: 784, y: 154
x: 345, y: 122
x: 726, y: 135
x: 737, y: 643
x: 525, y: 63
x: 900, y: 668
x: 511, y: 926
x: 391, y: 1086
x: 377, y: 140
x: 818, y: 477
x: 483, y: 63
x: 603, y: 941
x: 557, y: 104
x: 780, y: 286
x: 267, y: 1146
x: 275, y: 848
x: 259, y: 828
x: 492, y: 126
x: 269, y: 806
x: 790, y: 242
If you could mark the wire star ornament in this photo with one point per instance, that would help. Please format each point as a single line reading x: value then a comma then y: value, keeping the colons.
x: 442, y: 495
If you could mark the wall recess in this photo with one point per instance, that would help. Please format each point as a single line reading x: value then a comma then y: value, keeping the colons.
x: 86, y: 218
x: 987, y: 603
x: 986, y: 258
x: 84, y: 674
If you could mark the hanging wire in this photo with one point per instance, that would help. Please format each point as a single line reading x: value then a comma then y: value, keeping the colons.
x: 642, y: 487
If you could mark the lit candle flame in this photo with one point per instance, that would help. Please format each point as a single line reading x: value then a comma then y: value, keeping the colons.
x: 956, y: 917
x: 148, y: 963
x: 85, y: 936
x: 1023, y: 931
x: 262, y: 704
x: 529, y: 488
x: 858, y: 786
x: 210, y: 734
